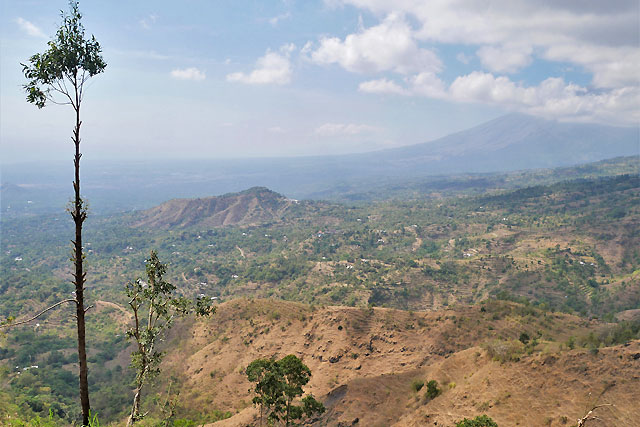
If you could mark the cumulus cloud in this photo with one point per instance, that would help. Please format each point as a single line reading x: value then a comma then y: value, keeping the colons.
x: 425, y: 84
x: 30, y: 28
x: 382, y: 86
x: 387, y: 46
x: 344, y: 129
x: 505, y: 59
x: 188, y: 74
x: 588, y: 33
x: 509, y: 35
x: 272, y: 68
x: 552, y: 98
x: 428, y: 84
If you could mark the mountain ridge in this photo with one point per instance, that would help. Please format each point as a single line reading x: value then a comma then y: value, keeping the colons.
x: 251, y: 206
x: 517, y: 141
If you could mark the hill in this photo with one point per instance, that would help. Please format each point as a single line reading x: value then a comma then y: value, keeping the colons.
x: 249, y: 207
x: 365, y: 361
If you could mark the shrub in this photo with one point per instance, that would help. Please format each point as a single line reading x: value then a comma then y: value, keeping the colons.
x: 479, y: 421
x: 417, y: 385
x: 433, y: 390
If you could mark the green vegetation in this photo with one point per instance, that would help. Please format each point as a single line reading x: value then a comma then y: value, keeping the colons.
x: 433, y: 390
x: 154, y: 309
x: 416, y: 385
x: 570, y: 246
x: 278, y: 384
x: 479, y: 421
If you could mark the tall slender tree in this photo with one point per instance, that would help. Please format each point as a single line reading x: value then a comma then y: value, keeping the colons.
x: 58, y: 76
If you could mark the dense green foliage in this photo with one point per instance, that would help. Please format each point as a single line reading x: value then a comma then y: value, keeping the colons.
x: 278, y: 384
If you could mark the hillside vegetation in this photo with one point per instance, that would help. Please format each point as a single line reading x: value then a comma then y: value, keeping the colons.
x: 454, y: 281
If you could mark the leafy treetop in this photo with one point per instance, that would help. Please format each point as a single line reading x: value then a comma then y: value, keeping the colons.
x: 71, y: 58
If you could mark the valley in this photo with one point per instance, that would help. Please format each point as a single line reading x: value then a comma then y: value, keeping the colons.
x: 371, y: 296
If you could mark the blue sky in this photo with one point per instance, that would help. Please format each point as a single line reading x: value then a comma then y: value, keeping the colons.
x: 202, y: 79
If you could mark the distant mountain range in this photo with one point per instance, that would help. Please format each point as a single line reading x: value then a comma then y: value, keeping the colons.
x: 512, y: 142
x: 509, y: 143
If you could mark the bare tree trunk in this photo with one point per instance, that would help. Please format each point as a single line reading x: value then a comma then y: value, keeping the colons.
x: 135, y: 409
x: 79, y: 214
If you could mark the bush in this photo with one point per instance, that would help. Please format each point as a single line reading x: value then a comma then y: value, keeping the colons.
x: 504, y: 351
x: 479, y: 421
x: 417, y: 385
x: 433, y: 390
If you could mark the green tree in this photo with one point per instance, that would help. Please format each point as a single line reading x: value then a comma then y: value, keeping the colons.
x: 278, y: 385
x: 268, y: 389
x: 58, y: 75
x: 154, y: 308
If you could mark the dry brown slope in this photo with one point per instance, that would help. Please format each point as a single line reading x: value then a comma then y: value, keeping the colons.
x: 364, y: 360
x: 252, y: 206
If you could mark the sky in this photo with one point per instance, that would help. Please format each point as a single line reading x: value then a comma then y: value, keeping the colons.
x: 223, y: 79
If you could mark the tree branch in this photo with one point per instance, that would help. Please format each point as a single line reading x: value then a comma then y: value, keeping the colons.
x: 37, y: 315
x: 582, y: 421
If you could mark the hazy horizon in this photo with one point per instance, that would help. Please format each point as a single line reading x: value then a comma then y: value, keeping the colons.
x: 320, y: 78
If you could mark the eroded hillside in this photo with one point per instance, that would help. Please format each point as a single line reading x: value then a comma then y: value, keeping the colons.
x: 364, y: 362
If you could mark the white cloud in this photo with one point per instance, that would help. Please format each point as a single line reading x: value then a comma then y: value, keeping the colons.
x: 505, y: 59
x: 600, y: 38
x: 272, y: 68
x: 188, y: 74
x: 612, y: 66
x: 276, y: 129
x: 30, y: 28
x: 344, y: 129
x: 552, y: 98
x: 382, y: 86
x: 387, y: 46
x: 276, y: 19
x: 428, y: 84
